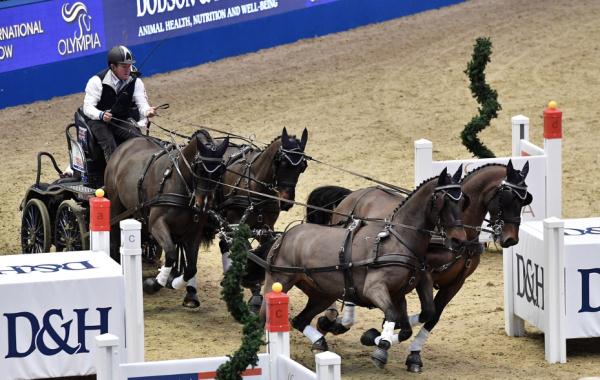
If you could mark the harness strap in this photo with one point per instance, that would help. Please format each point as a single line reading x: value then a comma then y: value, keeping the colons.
x: 345, y: 257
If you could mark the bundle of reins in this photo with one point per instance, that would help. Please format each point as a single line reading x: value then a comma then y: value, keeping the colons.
x: 170, y: 133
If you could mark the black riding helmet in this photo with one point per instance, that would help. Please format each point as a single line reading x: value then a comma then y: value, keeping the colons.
x: 120, y: 54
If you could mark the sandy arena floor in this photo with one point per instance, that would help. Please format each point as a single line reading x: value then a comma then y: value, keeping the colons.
x: 365, y: 96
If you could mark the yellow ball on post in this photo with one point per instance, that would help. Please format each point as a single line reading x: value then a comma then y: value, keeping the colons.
x: 277, y: 287
x: 552, y: 105
x: 100, y: 193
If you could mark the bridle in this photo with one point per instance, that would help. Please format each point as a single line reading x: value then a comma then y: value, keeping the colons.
x: 287, y: 154
x: 498, y: 220
x: 454, y: 193
x: 199, y: 163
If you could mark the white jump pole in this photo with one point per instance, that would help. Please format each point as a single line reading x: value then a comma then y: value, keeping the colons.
x: 100, y: 223
x: 107, y: 357
x: 277, y: 327
x: 520, y: 131
x: 329, y: 366
x: 554, y: 334
x: 553, y: 149
x: 423, y: 160
x: 131, y: 261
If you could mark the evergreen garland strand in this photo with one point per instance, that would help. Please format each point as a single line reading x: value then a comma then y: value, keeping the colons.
x: 232, y: 293
x: 486, y: 96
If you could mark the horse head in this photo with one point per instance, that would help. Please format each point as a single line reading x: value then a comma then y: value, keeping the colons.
x: 288, y: 164
x: 506, y: 204
x: 447, y: 204
x: 208, y: 168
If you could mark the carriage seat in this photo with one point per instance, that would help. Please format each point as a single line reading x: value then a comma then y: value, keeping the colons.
x: 92, y: 169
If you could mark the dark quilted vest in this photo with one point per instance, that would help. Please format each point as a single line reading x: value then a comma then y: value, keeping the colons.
x: 121, y: 105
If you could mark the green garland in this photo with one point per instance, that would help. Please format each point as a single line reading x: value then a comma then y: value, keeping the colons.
x: 486, y: 96
x: 232, y: 293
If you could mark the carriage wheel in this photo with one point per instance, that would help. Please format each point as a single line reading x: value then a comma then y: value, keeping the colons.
x: 70, y: 231
x: 35, y: 227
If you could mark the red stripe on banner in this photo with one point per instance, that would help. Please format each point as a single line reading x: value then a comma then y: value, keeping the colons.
x: 212, y: 374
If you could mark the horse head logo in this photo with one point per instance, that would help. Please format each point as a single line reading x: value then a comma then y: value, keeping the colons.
x: 78, y: 11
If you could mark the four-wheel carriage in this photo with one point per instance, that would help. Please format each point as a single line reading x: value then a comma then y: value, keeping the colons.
x: 57, y: 213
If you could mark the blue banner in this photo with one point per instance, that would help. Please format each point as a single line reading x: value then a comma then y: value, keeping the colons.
x: 50, y: 31
x: 141, y: 21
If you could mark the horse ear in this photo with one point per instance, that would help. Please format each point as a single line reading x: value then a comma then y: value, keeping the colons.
x: 511, y: 173
x: 457, y: 174
x: 223, y: 147
x: 285, y: 139
x: 509, y: 167
x: 525, y: 170
x: 443, y: 177
x: 304, y: 139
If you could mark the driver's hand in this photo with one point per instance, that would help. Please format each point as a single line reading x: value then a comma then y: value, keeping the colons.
x: 151, y: 112
x: 107, y: 116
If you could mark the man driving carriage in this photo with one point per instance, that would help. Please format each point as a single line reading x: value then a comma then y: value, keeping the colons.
x: 113, y: 97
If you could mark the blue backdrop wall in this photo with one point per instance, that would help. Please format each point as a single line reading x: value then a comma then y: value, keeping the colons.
x: 51, y: 48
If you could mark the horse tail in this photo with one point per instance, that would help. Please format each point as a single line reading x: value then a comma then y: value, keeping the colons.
x: 327, y: 197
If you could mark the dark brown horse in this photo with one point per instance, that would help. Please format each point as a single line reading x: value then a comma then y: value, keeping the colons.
x: 171, y: 190
x: 272, y: 171
x: 379, y: 263
x: 494, y: 188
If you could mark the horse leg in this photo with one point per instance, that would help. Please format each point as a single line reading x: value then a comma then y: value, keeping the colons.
x: 316, y: 304
x: 255, y: 274
x: 425, y: 291
x: 331, y: 322
x: 115, y: 237
x: 188, y: 278
x: 442, y: 298
x: 161, y: 233
x: 225, y: 249
x: 380, y: 297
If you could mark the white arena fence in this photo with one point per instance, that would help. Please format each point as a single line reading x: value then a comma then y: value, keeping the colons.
x: 545, y: 164
x: 55, y: 304
x: 273, y: 365
x: 551, y: 280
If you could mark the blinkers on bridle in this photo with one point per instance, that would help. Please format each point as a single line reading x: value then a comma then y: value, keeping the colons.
x: 498, y: 220
x: 454, y: 193
x: 212, y: 167
x: 299, y: 163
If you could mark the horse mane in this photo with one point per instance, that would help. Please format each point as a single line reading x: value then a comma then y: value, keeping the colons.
x: 403, y: 202
x: 476, y: 170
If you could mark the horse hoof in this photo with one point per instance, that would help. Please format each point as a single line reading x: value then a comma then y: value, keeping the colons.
x: 191, y: 299
x: 404, y: 335
x: 338, y: 328
x: 320, y: 345
x: 368, y: 337
x: 380, y: 355
x: 151, y: 286
x: 413, y: 362
x: 254, y: 303
x: 324, y: 324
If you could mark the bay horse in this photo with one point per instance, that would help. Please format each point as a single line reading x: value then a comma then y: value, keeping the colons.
x: 497, y: 189
x: 273, y: 171
x: 170, y: 189
x: 379, y: 263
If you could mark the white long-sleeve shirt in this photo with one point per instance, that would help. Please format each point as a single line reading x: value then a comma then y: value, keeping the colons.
x: 93, y: 92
